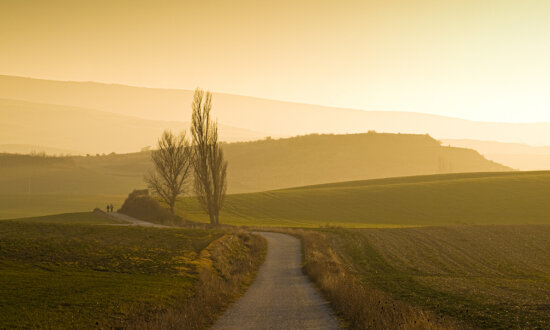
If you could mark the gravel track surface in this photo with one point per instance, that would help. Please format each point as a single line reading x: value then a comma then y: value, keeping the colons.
x: 281, y: 297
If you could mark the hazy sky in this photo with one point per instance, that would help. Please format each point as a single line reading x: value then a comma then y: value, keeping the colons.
x: 481, y: 59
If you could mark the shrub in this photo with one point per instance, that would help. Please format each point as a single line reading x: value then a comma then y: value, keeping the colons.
x: 141, y: 205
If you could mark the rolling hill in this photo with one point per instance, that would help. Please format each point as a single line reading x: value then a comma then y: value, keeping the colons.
x: 253, y: 166
x: 471, y: 198
x: 88, y: 131
x: 518, y: 156
x: 269, y: 117
x: 314, y: 159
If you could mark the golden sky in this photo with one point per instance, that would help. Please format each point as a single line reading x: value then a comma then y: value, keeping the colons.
x: 482, y: 59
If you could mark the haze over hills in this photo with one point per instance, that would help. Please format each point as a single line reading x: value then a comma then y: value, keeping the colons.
x: 518, y: 156
x: 268, y: 117
x: 37, y: 149
x: 253, y: 166
x: 314, y: 159
x: 87, y: 131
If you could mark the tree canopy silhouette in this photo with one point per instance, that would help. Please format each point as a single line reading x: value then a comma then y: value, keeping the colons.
x: 172, y: 163
x: 209, y: 166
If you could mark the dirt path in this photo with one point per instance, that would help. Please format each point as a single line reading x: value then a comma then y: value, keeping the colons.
x: 281, y: 297
x: 130, y: 221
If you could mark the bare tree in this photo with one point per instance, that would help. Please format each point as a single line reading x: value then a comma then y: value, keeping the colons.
x: 209, y: 165
x: 172, y: 164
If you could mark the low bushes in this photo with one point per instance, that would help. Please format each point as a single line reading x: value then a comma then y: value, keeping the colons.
x: 141, y: 205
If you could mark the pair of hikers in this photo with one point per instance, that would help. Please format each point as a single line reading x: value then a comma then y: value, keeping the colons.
x: 110, y: 208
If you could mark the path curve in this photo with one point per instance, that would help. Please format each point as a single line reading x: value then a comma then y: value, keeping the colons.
x: 281, y: 297
x: 130, y: 221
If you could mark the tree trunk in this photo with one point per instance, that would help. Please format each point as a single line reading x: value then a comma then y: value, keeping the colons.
x: 212, y: 219
x: 172, y: 208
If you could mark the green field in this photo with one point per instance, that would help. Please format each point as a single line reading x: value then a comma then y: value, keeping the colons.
x: 495, y: 277
x: 451, y: 259
x: 478, y: 198
x: 469, y: 198
x: 62, y: 272
x: 21, y: 205
x: 81, y: 218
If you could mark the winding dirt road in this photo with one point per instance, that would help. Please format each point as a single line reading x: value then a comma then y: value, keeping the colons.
x: 130, y: 221
x: 281, y: 297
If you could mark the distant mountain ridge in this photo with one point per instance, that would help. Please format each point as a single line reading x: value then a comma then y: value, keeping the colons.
x: 84, y: 130
x: 518, y: 156
x: 493, y: 147
x: 32, y: 148
x: 268, y: 117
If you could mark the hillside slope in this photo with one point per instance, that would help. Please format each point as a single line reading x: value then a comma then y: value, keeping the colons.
x: 269, y: 117
x: 476, y: 198
x: 87, y: 130
x: 314, y: 159
x: 519, y: 156
x: 253, y: 166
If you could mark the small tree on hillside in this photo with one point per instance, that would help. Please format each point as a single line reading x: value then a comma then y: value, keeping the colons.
x: 209, y: 165
x: 172, y: 164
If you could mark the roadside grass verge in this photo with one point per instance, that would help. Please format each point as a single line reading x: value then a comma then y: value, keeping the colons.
x: 84, y: 276
x: 358, y: 304
x: 225, y: 270
x: 433, y: 277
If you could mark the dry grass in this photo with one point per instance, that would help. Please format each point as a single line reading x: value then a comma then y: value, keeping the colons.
x: 225, y: 269
x: 494, y: 277
x: 359, y: 305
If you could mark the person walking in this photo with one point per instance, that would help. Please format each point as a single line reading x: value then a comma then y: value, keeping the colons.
x: 112, y: 208
x: 108, y: 208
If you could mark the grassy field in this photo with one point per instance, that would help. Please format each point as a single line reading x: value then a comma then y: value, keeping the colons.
x: 470, y: 198
x: 69, y: 271
x: 82, y: 218
x: 20, y: 205
x: 476, y: 198
x: 480, y: 276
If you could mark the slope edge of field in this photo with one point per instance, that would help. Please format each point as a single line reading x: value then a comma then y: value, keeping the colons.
x: 466, y: 198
